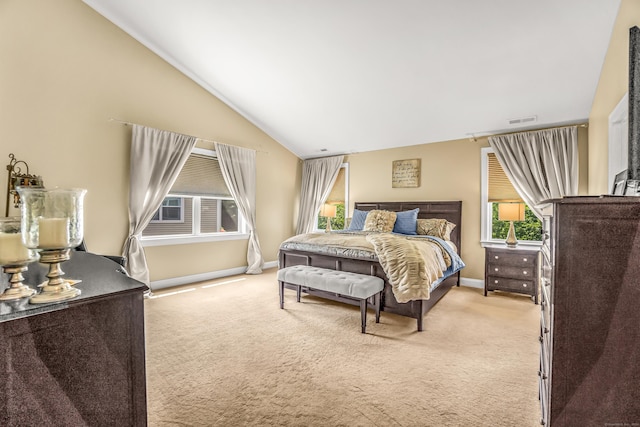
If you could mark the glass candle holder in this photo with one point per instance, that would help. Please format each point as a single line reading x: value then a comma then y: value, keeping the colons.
x: 52, y: 223
x: 14, y: 257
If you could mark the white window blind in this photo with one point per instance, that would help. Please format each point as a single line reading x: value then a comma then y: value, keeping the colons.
x: 201, y: 176
x: 500, y: 188
x: 337, y: 194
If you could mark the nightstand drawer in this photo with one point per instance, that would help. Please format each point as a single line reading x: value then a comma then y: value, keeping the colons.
x: 513, y: 259
x: 510, y: 285
x: 511, y: 271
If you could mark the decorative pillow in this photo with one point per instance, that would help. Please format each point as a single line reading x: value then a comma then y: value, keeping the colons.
x: 381, y: 221
x: 436, y: 227
x: 357, y: 221
x: 406, y: 222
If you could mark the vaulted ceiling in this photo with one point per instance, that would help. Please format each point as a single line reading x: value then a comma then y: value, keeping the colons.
x: 343, y: 76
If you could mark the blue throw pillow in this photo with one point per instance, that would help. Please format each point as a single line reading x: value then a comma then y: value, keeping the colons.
x: 357, y: 221
x: 406, y: 222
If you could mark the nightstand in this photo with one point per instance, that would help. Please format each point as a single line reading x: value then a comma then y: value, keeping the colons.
x: 511, y: 270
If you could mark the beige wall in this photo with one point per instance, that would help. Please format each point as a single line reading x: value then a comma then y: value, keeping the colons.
x: 65, y: 70
x: 451, y: 170
x: 613, y: 84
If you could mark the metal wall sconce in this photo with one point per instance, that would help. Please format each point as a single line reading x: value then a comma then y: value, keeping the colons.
x: 17, y: 178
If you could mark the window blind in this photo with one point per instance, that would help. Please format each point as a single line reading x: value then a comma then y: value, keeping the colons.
x: 337, y: 192
x: 500, y: 188
x: 201, y: 176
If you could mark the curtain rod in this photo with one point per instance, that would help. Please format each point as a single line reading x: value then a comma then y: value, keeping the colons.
x: 473, y: 137
x: 126, y: 123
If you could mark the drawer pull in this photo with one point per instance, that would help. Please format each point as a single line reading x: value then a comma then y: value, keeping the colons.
x: 524, y: 259
x: 496, y: 257
x: 496, y: 269
x: 524, y: 272
x: 524, y: 285
x: 495, y: 281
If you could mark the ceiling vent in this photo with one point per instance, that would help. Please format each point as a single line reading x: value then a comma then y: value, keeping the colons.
x: 523, y: 120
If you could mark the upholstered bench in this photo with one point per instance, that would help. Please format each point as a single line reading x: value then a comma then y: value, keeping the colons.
x: 355, y: 286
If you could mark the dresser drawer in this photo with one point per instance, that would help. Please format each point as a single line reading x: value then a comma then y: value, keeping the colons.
x: 511, y: 271
x: 510, y: 285
x: 510, y: 259
x: 545, y: 306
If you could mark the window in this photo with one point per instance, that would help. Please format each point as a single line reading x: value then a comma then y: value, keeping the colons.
x: 339, y: 197
x: 172, y: 210
x: 199, y: 206
x: 497, y: 188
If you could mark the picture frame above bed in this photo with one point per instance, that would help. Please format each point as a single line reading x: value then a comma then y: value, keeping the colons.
x: 405, y: 173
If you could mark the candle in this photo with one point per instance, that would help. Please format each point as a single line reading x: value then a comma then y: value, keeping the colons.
x: 11, y: 249
x: 53, y: 233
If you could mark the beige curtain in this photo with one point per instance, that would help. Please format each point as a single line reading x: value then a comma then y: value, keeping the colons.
x: 541, y: 165
x: 318, y: 177
x: 157, y: 156
x: 238, y: 166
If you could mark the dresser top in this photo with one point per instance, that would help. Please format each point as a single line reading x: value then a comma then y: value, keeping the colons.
x: 605, y: 198
x: 100, y: 277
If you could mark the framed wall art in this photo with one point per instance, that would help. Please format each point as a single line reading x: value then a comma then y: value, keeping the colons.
x: 405, y: 173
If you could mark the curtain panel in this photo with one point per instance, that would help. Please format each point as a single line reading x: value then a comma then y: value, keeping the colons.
x: 541, y: 165
x: 238, y: 166
x: 157, y: 156
x: 318, y: 177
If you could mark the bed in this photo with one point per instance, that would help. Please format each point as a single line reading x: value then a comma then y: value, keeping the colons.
x: 417, y: 308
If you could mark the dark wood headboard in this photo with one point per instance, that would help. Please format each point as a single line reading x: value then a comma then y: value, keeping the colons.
x: 449, y: 210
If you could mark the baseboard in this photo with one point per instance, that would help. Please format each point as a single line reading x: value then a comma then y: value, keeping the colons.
x: 193, y: 278
x: 472, y: 283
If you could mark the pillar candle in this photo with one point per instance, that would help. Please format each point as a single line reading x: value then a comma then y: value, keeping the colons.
x: 11, y: 249
x: 53, y: 233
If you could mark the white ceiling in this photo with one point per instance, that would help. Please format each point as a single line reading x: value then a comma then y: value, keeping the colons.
x: 349, y: 76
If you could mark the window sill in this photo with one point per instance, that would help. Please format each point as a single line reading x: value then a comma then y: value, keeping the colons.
x: 187, y: 240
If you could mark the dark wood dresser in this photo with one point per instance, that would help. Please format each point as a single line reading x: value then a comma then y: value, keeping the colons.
x: 511, y: 270
x: 590, y: 312
x: 79, y: 362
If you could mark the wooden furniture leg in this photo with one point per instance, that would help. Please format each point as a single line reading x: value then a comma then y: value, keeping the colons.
x: 363, y: 314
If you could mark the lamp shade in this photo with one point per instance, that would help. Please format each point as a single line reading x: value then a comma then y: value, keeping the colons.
x: 328, y: 210
x: 511, y: 211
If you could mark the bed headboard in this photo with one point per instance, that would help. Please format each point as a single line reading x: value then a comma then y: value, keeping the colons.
x: 449, y: 210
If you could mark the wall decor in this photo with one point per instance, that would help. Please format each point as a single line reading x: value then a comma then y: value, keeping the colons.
x: 19, y: 178
x: 405, y: 173
x: 619, y: 185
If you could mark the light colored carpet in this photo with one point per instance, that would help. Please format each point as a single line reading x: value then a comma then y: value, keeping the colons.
x: 228, y: 356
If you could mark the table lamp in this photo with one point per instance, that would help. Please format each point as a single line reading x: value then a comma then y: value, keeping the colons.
x: 511, y: 212
x: 328, y: 211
